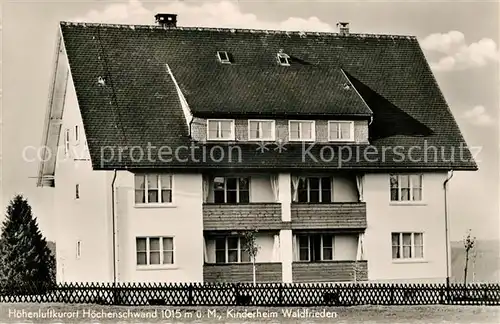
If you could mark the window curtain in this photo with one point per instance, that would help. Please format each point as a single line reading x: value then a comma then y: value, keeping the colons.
x: 360, y: 253
x: 275, y: 186
x: 295, y: 188
x: 205, y: 253
x: 206, y: 188
x: 295, y: 250
x: 359, y: 183
x: 276, y: 248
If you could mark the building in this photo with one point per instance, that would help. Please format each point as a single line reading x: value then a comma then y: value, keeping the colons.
x: 164, y: 143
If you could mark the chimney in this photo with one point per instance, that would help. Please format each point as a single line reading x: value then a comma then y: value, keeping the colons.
x: 166, y: 20
x: 343, y: 28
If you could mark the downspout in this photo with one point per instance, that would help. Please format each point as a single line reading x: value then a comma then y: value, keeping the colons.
x: 446, y: 226
x: 113, y: 224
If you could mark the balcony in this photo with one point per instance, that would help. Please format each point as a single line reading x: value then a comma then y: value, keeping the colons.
x: 347, y: 215
x: 330, y: 271
x: 242, y: 272
x: 233, y: 217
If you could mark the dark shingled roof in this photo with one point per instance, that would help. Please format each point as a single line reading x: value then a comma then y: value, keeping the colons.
x: 331, y: 76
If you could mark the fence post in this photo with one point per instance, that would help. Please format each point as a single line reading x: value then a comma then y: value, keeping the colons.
x: 190, y: 295
x: 280, y: 295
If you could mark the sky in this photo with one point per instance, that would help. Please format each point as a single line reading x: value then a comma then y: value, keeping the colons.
x: 460, y: 40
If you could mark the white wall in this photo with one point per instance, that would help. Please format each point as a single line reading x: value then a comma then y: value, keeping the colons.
x: 345, y: 188
x: 264, y: 241
x: 183, y: 220
x: 345, y: 246
x: 84, y: 219
x: 384, y: 218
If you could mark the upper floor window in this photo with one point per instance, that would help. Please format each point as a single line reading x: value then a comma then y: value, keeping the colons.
x: 261, y: 130
x: 407, y: 245
x: 223, y: 57
x: 66, y: 142
x: 406, y: 187
x: 301, y: 130
x: 314, y: 190
x: 77, y: 135
x: 231, y: 190
x: 230, y: 249
x: 315, y: 247
x: 154, y: 250
x: 153, y: 188
x: 341, y: 131
x: 220, y: 129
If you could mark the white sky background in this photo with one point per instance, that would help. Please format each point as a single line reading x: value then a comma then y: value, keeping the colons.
x: 459, y: 39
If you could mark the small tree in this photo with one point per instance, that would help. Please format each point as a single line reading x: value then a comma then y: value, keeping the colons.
x: 24, y: 255
x: 469, y: 243
x: 250, y: 246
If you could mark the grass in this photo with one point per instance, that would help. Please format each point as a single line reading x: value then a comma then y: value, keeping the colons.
x: 358, y: 314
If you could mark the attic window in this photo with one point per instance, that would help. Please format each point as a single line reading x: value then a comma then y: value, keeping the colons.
x: 223, y: 57
x: 283, y: 59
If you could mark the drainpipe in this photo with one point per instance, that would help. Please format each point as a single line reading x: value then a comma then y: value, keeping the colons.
x: 113, y: 224
x: 450, y: 175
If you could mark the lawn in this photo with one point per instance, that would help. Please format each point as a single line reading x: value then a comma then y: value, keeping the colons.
x: 27, y: 313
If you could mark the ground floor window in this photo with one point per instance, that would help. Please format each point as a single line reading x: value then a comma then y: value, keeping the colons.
x: 315, y: 247
x: 230, y: 249
x: 407, y: 245
x: 155, y: 250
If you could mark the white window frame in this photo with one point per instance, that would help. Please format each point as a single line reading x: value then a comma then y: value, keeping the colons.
x: 339, y: 132
x: 412, y: 248
x: 146, y: 196
x: 221, y: 139
x: 226, y: 249
x: 410, y: 199
x: 66, y: 141
x: 77, y: 135
x: 237, y: 188
x: 283, y: 56
x: 223, y: 61
x: 322, y: 235
x: 313, y: 128
x: 162, y: 250
x: 308, y: 184
x: 260, y: 121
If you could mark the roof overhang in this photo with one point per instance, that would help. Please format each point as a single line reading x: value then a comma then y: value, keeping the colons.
x: 53, y: 116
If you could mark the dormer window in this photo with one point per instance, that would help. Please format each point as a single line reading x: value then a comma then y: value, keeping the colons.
x: 283, y: 59
x: 220, y: 129
x: 223, y: 57
x: 340, y: 131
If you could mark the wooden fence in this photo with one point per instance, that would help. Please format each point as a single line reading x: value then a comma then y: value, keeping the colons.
x: 279, y: 294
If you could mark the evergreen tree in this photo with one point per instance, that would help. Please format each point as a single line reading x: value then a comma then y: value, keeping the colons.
x: 25, y: 258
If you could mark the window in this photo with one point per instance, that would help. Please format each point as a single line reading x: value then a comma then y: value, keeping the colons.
x: 155, y: 250
x: 230, y: 249
x: 317, y: 247
x: 78, y: 249
x: 231, y: 190
x: 223, y: 57
x: 77, y: 191
x: 301, y: 130
x: 262, y: 130
x: 406, y: 187
x: 340, y: 131
x: 77, y: 135
x: 314, y: 190
x: 407, y: 245
x: 283, y: 59
x: 66, y: 142
x: 220, y: 130
x: 153, y: 188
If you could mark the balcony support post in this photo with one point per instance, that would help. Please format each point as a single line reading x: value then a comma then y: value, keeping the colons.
x: 286, y: 238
